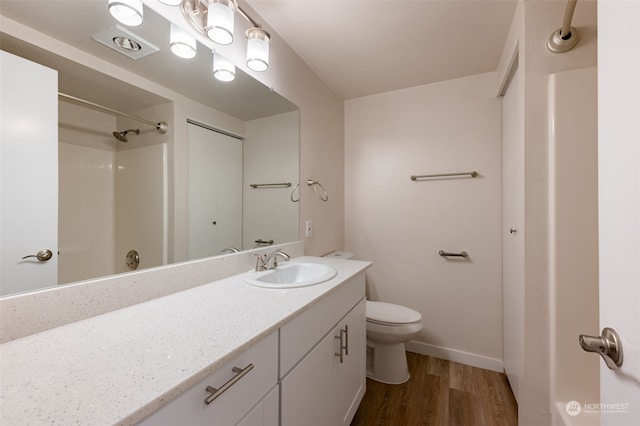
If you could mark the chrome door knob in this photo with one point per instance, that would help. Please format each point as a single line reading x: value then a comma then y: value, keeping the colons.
x: 608, y: 346
x: 42, y: 255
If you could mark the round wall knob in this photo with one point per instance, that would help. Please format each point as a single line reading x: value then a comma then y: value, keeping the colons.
x: 133, y: 259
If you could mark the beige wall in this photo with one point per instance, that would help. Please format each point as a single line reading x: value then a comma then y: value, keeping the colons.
x: 533, y: 23
x: 400, y: 225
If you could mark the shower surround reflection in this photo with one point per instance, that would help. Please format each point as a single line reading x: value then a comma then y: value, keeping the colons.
x: 112, y: 195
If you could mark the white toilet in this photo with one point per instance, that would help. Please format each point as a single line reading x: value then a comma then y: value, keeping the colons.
x: 389, y: 327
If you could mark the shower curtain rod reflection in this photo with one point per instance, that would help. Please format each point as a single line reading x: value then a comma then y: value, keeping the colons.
x: 162, y: 126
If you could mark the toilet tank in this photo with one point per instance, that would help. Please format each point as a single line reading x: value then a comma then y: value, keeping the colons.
x: 341, y: 254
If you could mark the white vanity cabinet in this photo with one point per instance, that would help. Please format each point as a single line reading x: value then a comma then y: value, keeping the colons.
x: 322, y: 362
x: 251, y: 399
x: 321, y: 359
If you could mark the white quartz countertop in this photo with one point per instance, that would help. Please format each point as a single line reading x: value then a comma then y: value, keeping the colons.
x: 119, y: 367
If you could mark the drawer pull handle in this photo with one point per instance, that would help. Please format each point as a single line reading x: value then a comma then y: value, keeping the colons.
x: 346, y: 339
x: 344, y: 343
x: 339, y: 354
x: 241, y: 372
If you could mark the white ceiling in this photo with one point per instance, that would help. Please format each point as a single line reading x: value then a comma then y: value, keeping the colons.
x: 363, y: 47
x: 358, y: 47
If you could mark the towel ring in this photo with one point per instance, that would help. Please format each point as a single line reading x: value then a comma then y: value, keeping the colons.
x: 293, y: 191
x: 315, y: 184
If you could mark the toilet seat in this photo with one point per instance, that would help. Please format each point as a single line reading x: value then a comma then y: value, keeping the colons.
x: 390, y: 314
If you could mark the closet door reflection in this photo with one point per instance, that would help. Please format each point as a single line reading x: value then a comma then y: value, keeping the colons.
x: 215, y: 192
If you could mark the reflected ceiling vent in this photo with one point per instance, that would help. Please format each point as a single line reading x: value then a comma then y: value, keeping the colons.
x: 125, y: 42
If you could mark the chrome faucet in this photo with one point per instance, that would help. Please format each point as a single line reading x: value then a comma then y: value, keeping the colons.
x: 268, y: 264
x: 269, y: 261
x: 260, y: 265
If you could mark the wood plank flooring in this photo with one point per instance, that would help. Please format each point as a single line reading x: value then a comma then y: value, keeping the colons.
x: 439, y: 393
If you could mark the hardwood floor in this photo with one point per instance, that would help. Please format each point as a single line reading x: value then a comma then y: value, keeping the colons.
x: 440, y: 393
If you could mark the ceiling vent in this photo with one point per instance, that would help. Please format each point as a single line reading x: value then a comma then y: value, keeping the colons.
x: 125, y: 42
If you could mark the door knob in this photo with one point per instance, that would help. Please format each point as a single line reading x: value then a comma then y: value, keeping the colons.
x: 608, y: 346
x: 42, y: 255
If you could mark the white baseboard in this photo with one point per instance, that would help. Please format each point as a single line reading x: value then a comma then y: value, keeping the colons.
x: 467, y: 358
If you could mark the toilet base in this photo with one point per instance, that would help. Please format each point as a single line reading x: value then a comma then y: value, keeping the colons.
x: 387, y: 363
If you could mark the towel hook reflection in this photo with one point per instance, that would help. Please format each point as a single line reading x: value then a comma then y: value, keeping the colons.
x: 315, y: 184
x: 293, y: 192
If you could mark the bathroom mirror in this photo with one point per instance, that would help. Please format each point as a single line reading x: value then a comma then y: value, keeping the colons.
x: 187, y: 96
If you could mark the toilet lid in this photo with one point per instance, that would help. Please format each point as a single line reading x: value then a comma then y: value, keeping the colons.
x: 388, y: 313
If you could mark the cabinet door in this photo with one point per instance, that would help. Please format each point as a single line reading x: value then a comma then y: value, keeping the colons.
x: 351, y: 380
x: 307, y: 392
x: 265, y: 413
x: 322, y: 389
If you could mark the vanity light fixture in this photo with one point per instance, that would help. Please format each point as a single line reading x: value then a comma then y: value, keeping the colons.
x: 257, y: 49
x: 223, y: 69
x: 215, y: 19
x: 220, y: 21
x: 127, y: 12
x: 182, y: 43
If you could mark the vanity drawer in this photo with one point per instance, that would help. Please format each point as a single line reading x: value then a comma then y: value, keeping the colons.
x: 299, y: 336
x: 234, y: 403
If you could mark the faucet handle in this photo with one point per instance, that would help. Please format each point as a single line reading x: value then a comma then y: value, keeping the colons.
x: 260, y: 262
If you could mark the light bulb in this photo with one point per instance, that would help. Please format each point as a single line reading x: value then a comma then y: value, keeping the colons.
x: 223, y: 69
x: 257, y: 49
x: 127, y: 12
x: 182, y: 43
x: 220, y: 21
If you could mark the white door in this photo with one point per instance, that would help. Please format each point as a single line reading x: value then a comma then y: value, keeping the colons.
x: 215, y: 192
x: 513, y: 232
x: 29, y: 175
x: 619, y: 203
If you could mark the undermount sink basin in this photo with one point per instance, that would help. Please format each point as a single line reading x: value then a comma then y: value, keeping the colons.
x: 291, y: 275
